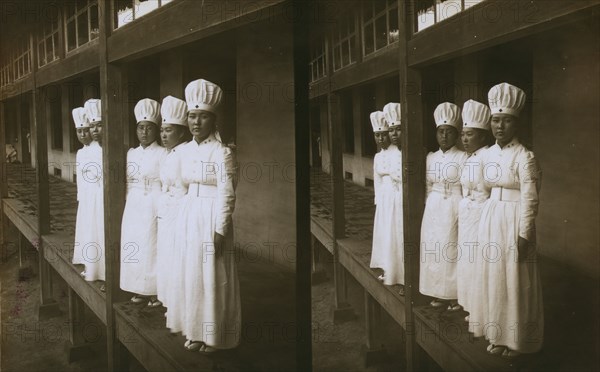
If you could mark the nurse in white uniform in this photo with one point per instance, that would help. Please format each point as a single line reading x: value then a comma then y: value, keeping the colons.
x: 513, y: 317
x: 475, y: 131
x: 84, y: 210
x: 139, y: 225
x: 388, y: 246
x: 212, y: 312
x: 173, y: 133
x: 93, y: 250
x: 439, y: 229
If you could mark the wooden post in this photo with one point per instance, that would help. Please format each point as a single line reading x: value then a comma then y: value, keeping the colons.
x: 76, y: 346
x: 342, y: 311
x: 48, y: 306
x: 413, y: 164
x: 375, y: 352
x: 3, y: 187
x: 113, y: 81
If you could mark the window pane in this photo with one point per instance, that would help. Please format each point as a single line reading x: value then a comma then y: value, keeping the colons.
x: 380, y: 33
x: 70, y: 8
x: 143, y: 7
x: 41, y: 54
x: 81, y: 4
x: 352, y: 49
x: 393, y: 31
x: 369, y: 47
x: 71, y: 42
x: 447, y: 9
x: 49, y: 50
x: 124, y: 10
x: 94, y: 27
x: 82, y: 29
x: 337, y: 55
x: 425, y: 18
x: 55, y: 44
x: 345, y: 54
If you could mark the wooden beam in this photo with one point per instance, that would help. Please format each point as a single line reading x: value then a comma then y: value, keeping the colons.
x: 16, y: 88
x: 113, y: 81
x: 490, y: 23
x: 186, y: 21
x: 412, y: 144
x: 76, y: 64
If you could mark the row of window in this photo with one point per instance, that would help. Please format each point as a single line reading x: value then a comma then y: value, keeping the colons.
x: 81, y: 25
x: 379, y: 27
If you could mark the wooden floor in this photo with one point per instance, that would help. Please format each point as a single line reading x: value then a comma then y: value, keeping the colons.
x: 268, y: 330
x: 443, y: 335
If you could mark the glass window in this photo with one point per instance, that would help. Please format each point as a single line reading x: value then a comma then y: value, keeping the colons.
x: 127, y: 11
x: 83, y: 35
x: 344, y: 41
x: 380, y: 25
x: 318, y: 62
x: 430, y: 12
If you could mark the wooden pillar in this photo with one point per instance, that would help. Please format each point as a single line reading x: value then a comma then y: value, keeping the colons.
x: 375, y: 352
x: 76, y: 346
x: 342, y: 311
x: 413, y: 163
x: 65, y: 112
x: 3, y: 186
x: 48, y: 306
x: 113, y: 82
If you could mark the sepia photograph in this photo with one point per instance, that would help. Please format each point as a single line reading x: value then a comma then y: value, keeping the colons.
x: 299, y: 185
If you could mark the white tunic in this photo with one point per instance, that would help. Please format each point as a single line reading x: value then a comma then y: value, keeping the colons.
x: 388, y: 239
x: 439, y: 229
x: 512, y: 308
x: 89, y: 231
x: 169, y: 204
x: 211, y: 303
x: 469, y: 213
x: 139, y: 226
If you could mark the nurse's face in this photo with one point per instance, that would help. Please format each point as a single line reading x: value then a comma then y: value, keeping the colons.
x: 201, y: 123
x: 171, y: 135
x: 395, y: 135
x: 472, y: 139
x: 382, y: 139
x: 84, y: 136
x: 147, y: 132
x: 504, y: 128
x: 96, y: 131
x: 447, y: 136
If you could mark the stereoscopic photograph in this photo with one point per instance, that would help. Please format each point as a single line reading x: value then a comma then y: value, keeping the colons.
x: 288, y: 185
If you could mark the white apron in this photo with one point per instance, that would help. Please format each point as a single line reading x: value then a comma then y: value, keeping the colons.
x: 469, y: 214
x: 139, y: 226
x: 388, y: 239
x: 89, y: 232
x: 211, y: 309
x: 511, y: 311
x: 439, y: 229
x: 169, y: 204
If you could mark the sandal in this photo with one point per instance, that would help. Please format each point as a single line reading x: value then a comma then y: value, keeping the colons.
x: 137, y: 299
x: 496, y: 349
x: 437, y: 303
x: 154, y: 302
x: 193, y: 345
x: 454, y: 306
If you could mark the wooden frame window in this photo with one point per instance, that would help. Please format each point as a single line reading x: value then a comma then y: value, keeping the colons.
x: 48, y: 43
x: 81, y: 23
x: 430, y: 12
x: 126, y: 11
x: 22, y: 61
x: 379, y: 25
x: 318, y: 60
x: 344, y: 41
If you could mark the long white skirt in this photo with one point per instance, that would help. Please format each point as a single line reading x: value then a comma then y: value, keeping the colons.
x: 89, y: 234
x: 138, y: 242
x: 211, y: 310
x: 511, y: 311
x: 439, y: 236
x: 388, y: 239
x: 168, y: 209
x: 469, y: 214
